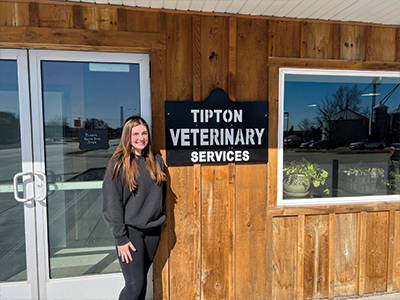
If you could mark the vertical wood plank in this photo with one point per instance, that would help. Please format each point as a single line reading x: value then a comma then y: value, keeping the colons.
x: 89, y: 17
x: 21, y: 14
x: 390, y: 260
x: 77, y: 19
x: 376, y: 252
x: 54, y: 16
x: 346, y: 254
x: 214, y: 60
x: 352, y: 42
x: 331, y: 256
x: 106, y: 18
x: 316, y: 253
x: 33, y: 14
x: 232, y: 58
x: 287, y: 38
x: 396, y: 256
x: 216, y: 238
x: 320, y: 40
x: 269, y: 256
x: 336, y: 41
x: 7, y: 14
x: 232, y: 231
x: 251, y: 237
x: 158, y: 94
x: 179, y: 58
x: 273, y: 99
x: 362, y: 252
x: 184, y: 233
x: 252, y: 65
x: 397, y: 54
x: 383, y: 44
x: 284, y: 261
x: 303, y: 39
x: 122, y: 19
x: 271, y: 38
x: 300, y: 258
x: 142, y: 21
x: 197, y: 57
x: 368, y: 43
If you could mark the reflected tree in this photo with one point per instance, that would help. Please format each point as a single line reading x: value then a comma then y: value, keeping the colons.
x: 94, y: 123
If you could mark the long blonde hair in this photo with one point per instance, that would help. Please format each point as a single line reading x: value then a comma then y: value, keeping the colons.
x: 125, y: 156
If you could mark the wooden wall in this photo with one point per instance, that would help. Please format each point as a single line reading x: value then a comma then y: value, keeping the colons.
x: 225, y: 237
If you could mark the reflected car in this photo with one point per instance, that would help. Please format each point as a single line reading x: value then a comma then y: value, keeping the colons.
x: 367, y: 144
x: 322, y: 144
x: 306, y: 145
x: 395, y: 152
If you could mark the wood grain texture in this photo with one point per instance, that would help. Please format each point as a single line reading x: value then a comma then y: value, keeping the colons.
x: 346, y: 254
x: 383, y: 44
x: 320, y: 41
x: 7, y: 14
x: 106, y: 19
x: 184, y: 262
x: 179, y: 58
x: 391, y: 249
x: 21, y: 14
x: 214, y: 59
x: 251, y: 238
x: 143, y: 21
x: 197, y: 57
x: 331, y: 255
x: 376, y: 252
x: 362, y: 249
x: 252, y: 63
x: 284, y: 261
x: 284, y: 38
x: 352, y: 42
x: 78, y: 37
x: 396, y: 253
x: 316, y: 253
x: 273, y: 99
x: 216, y: 237
x: 300, y: 257
x: 55, y: 16
x: 232, y: 59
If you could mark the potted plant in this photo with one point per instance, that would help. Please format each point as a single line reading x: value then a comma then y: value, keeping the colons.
x: 299, y: 175
x: 362, y: 180
x: 393, y: 182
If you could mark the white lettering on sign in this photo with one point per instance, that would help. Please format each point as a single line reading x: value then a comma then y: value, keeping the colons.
x: 91, y: 138
x: 205, y: 115
x: 219, y: 156
x: 217, y: 136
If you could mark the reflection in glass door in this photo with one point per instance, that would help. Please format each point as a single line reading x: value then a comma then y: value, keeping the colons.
x: 80, y: 101
x: 55, y: 141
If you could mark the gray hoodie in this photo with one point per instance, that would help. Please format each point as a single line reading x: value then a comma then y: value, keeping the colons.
x: 143, y: 208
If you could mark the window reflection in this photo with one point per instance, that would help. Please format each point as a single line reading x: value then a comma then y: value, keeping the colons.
x: 344, y: 123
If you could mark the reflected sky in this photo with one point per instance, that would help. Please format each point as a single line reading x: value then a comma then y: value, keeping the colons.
x: 303, y: 93
x: 73, y: 91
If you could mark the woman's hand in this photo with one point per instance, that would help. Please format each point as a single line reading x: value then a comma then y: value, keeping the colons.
x: 124, y: 253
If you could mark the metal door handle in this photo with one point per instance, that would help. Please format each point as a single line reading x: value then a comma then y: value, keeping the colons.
x: 44, y: 183
x: 16, y: 176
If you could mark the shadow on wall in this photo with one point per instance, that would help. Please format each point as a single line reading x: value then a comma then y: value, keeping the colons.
x: 167, y: 241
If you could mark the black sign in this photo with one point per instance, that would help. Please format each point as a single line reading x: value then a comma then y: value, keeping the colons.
x: 216, y: 130
x: 93, y: 139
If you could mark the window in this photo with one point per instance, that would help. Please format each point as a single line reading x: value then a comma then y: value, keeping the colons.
x: 339, y: 136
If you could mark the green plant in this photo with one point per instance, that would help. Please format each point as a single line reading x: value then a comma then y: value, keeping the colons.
x: 311, y: 171
x: 394, y: 180
x: 374, y: 172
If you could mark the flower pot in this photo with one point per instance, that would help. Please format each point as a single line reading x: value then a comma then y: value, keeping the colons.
x: 295, y: 186
x: 361, y: 184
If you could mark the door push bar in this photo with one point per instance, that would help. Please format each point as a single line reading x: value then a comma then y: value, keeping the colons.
x: 39, y: 185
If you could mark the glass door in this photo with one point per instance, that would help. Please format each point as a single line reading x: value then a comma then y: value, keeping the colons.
x: 18, y: 265
x: 75, y: 107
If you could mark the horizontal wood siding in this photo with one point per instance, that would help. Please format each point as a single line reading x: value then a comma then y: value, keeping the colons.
x: 225, y: 237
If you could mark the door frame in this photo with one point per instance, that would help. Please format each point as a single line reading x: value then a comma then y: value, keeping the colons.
x: 25, y: 289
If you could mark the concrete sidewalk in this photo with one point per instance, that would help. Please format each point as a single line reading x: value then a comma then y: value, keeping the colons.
x: 376, y: 296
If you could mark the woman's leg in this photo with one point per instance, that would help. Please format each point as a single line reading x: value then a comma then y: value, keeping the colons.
x: 151, y: 241
x: 134, y: 271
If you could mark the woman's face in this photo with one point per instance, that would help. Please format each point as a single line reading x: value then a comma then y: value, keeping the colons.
x: 139, y: 139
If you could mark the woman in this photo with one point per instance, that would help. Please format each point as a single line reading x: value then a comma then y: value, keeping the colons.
x: 133, y: 204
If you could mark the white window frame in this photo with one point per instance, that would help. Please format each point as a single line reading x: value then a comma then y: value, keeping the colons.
x: 327, y: 200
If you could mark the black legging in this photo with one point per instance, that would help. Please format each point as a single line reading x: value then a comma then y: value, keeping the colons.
x: 135, y: 272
